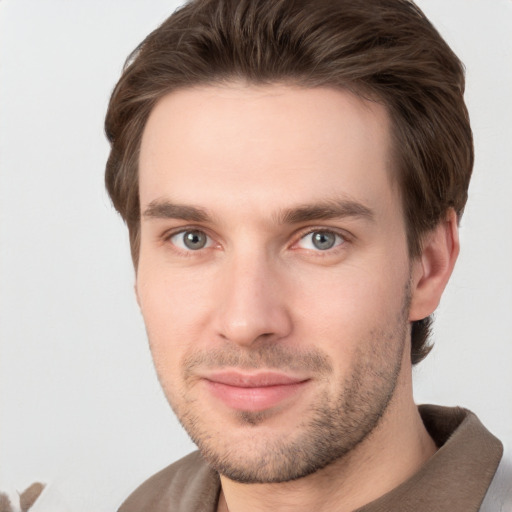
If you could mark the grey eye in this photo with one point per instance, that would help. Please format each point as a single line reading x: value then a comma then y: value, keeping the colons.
x: 320, y: 240
x: 192, y: 240
x: 323, y: 240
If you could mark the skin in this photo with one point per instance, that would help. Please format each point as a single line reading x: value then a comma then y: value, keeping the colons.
x: 253, y: 172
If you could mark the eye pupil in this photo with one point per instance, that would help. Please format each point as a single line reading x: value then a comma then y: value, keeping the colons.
x: 194, y: 240
x: 323, y: 240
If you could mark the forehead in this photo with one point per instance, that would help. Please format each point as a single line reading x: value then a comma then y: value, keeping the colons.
x: 274, y: 144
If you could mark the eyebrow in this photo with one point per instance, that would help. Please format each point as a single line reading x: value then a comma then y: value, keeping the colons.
x: 332, y: 209
x: 325, y: 210
x: 162, y: 209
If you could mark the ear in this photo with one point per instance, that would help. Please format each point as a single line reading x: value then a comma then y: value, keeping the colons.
x: 136, y: 290
x: 432, y: 270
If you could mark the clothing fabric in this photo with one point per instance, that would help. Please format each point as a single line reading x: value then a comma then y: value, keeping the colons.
x: 455, y: 479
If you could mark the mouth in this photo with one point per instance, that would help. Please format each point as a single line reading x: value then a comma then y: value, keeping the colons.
x: 253, y: 392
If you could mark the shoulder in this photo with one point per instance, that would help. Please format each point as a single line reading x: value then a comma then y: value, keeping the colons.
x: 499, y: 495
x: 186, y: 485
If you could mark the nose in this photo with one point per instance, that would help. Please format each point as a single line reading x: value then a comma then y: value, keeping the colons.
x: 252, y: 303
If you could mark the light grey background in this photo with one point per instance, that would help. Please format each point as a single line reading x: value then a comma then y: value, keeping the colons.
x: 80, y: 405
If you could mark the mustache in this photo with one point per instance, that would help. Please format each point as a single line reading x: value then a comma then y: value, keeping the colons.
x: 265, y: 357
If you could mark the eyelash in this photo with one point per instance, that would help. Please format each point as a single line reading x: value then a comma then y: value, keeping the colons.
x: 166, y: 238
x: 330, y: 251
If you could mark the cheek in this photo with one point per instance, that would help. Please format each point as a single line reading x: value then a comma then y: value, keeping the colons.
x: 173, y: 308
x: 343, y: 310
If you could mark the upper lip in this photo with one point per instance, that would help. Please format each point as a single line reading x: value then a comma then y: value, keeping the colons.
x: 252, y: 380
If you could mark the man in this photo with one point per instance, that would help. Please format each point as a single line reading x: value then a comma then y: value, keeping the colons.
x: 292, y: 174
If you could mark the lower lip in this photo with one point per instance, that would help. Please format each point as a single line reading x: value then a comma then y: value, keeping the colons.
x: 254, y: 399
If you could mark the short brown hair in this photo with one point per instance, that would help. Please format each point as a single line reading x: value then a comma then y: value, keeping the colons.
x: 386, y: 50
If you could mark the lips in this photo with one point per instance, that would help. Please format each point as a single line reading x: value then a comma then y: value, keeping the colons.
x: 253, y: 392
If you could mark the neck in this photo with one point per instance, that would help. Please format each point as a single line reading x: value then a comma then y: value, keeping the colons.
x: 392, y: 453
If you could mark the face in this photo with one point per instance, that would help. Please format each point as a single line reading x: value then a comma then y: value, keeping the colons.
x: 273, y: 273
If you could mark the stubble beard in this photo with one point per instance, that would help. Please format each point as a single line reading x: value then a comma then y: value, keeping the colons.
x: 331, y: 429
